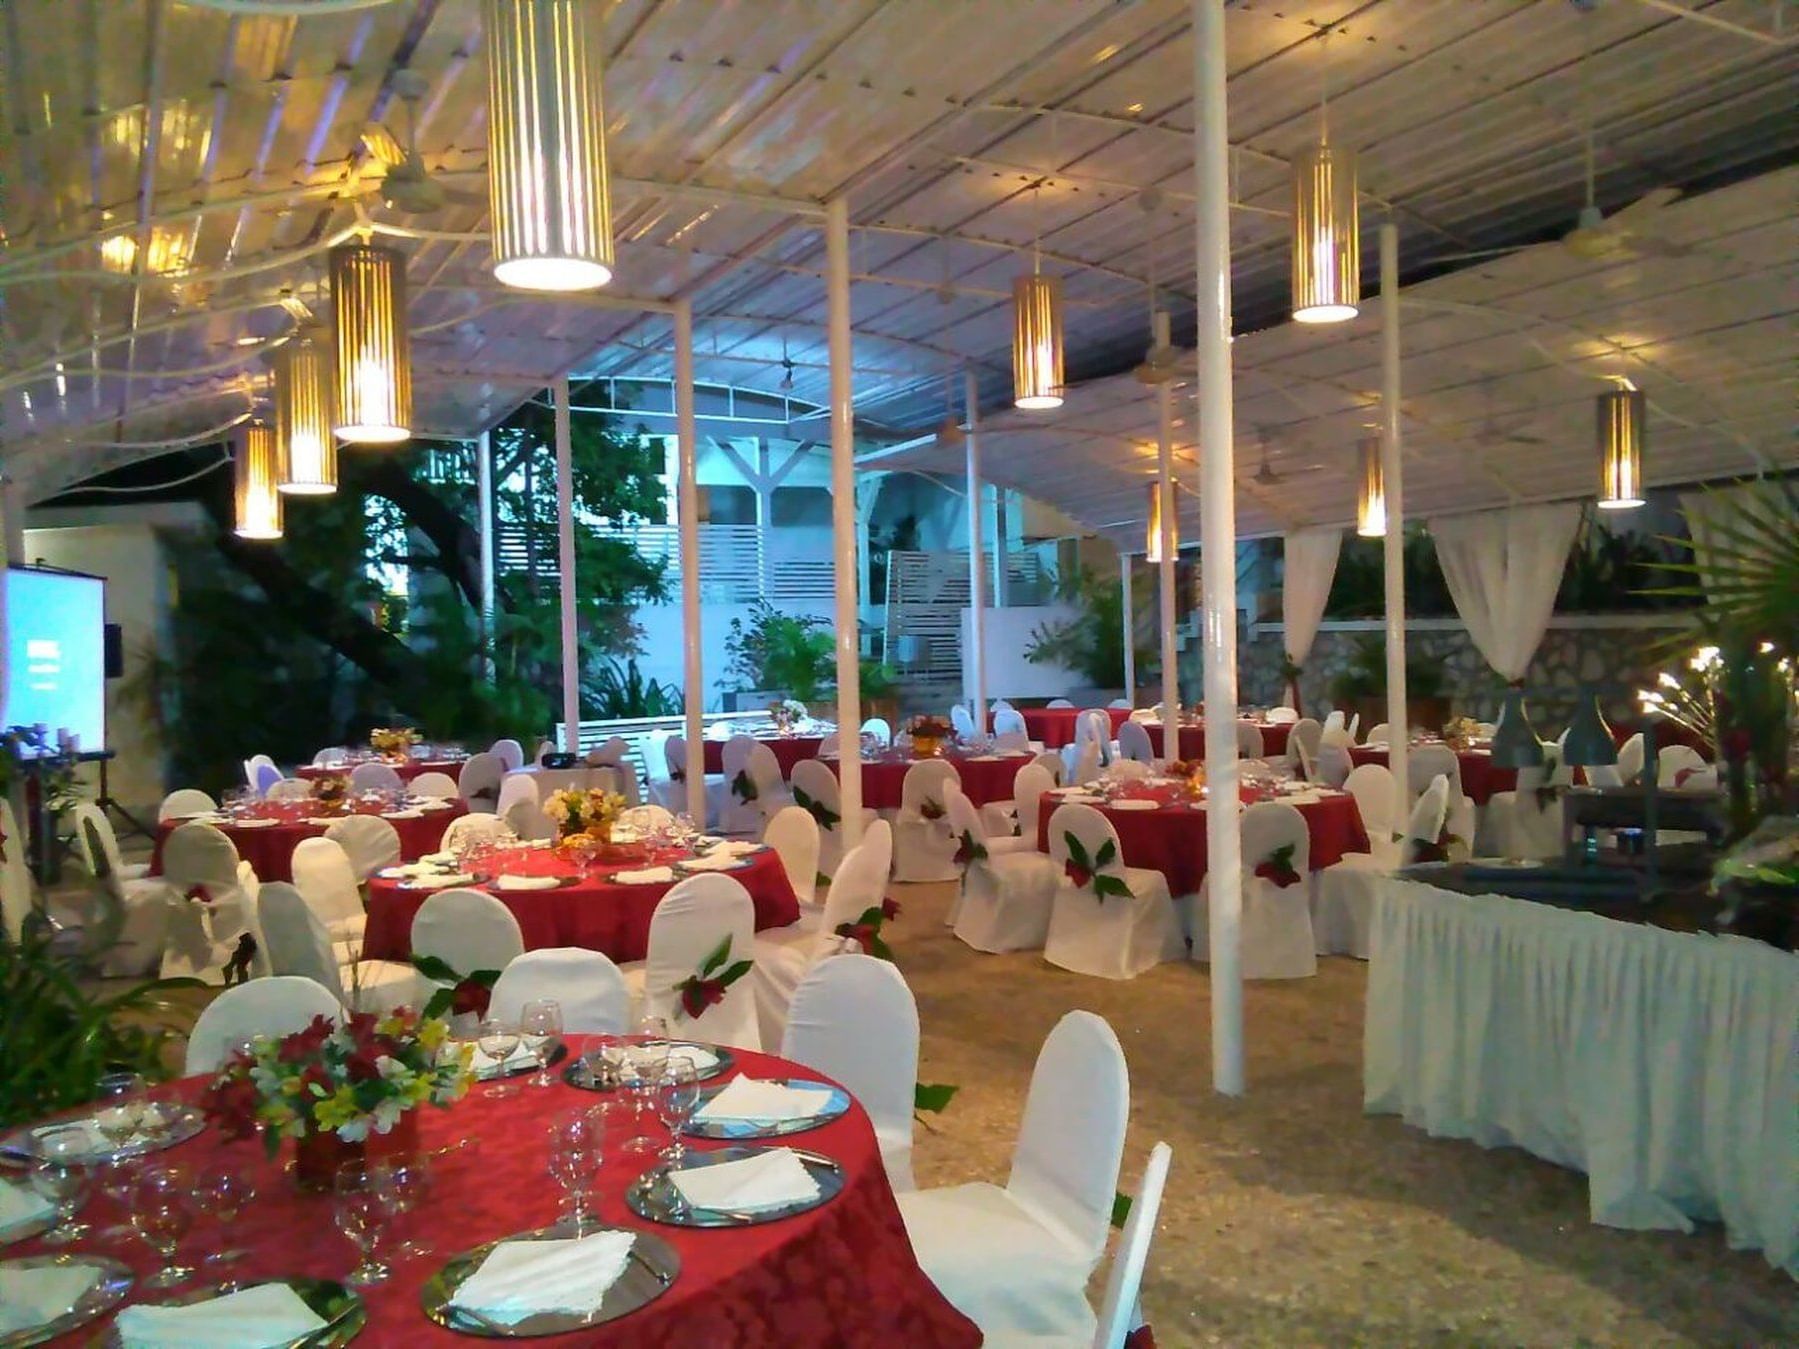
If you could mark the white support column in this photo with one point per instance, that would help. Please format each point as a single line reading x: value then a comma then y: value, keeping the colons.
x: 565, y: 569
x: 1126, y: 605
x: 1218, y: 538
x: 688, y: 518
x: 1165, y: 569
x: 1393, y: 546
x: 976, y: 561
x: 484, y: 509
x: 843, y: 517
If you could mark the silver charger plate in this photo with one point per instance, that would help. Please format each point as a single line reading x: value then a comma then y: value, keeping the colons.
x: 653, y: 1196
x: 184, y: 1121
x: 557, y: 1055
x: 339, y: 1307
x: 581, y: 1073
x: 836, y: 1106
x: 650, y: 1270
x: 106, y: 1293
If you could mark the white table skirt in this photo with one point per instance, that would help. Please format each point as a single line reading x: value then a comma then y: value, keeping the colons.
x: 1664, y: 1065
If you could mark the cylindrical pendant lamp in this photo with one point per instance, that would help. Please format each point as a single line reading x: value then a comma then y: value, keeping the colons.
x: 546, y: 131
x: 1152, y: 539
x: 374, y: 359
x: 1037, y: 342
x: 1327, y: 250
x: 1371, y: 491
x: 258, y: 501
x: 1621, y: 426
x: 305, y: 448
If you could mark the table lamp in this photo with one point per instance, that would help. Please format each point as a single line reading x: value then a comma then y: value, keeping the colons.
x: 1515, y: 742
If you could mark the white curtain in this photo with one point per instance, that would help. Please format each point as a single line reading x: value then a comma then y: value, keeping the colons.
x: 1309, y: 568
x: 1503, y: 568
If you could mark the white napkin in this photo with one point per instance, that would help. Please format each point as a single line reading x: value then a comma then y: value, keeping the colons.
x: 982, y: 758
x: 718, y: 860
x: 438, y: 859
x: 647, y: 876
x: 485, y: 1064
x: 736, y: 847
x: 439, y: 880
x: 253, y: 1318
x: 519, y: 1279
x: 746, y: 1098
x: 435, y: 803
x: 506, y: 882
x: 325, y: 820
x: 770, y: 1179
x: 254, y: 822
x: 31, y: 1297
x: 20, y: 1206
x: 409, y: 813
x: 1133, y: 803
x: 706, y: 840
x: 702, y: 1059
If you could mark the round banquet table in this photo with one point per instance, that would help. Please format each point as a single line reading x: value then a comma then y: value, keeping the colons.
x: 840, y: 1274
x: 1053, y: 727
x: 594, y: 911
x: 269, y: 848
x: 1172, y: 838
x: 1193, y: 739
x: 789, y: 750
x: 408, y: 770
x: 985, y: 777
x: 1481, y: 777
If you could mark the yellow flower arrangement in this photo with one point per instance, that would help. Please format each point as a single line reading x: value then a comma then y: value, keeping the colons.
x: 590, y: 810
x: 393, y: 741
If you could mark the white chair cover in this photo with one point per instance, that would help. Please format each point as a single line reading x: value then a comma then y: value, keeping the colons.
x: 183, y: 802
x: 1014, y: 742
x: 1305, y: 759
x: 369, y: 841
x: 330, y: 755
x: 1119, y: 1311
x: 1378, y: 734
x: 15, y: 876
x: 1630, y: 759
x: 771, y: 787
x: 672, y: 792
x: 611, y: 751
x: 1134, y: 744
x: 794, y: 835
x: 690, y: 922
x: 1118, y: 937
x: 1009, y: 721
x: 878, y: 727
x: 509, y: 752
x: 544, y: 749
x: 586, y: 984
x: 1377, y: 800
x: 1120, y: 704
x: 1058, y: 702
x: 1340, y: 736
x: 1673, y: 760
x: 527, y: 820
x: 299, y: 945
x: 479, y: 782
x: 327, y: 882
x: 1275, y: 940
x: 299, y: 789
x: 1016, y: 1261
x: 1305, y: 734
x: 854, y: 1019
x: 1093, y: 725
x: 253, y: 767
x: 479, y: 828
x: 1028, y: 787
x: 144, y: 902
x: 434, y: 786
x: 469, y: 930
x: 1334, y: 719
x: 271, y: 1007
x: 961, y: 721
x: 1052, y: 764
x: 923, y: 849
x: 214, y: 905
x: 821, y: 787
x: 1005, y: 898
x: 1424, y: 763
x: 1281, y: 716
x: 375, y: 777
x: 742, y: 812
x: 268, y: 777
x: 1334, y: 765
x: 1249, y: 740
x: 515, y: 787
x: 1520, y: 825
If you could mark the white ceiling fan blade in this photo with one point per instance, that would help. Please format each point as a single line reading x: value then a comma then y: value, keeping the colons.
x: 383, y: 145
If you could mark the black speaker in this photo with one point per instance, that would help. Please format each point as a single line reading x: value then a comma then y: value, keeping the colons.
x: 115, y: 651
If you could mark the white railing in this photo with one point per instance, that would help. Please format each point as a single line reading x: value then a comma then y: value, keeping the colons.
x: 735, y: 566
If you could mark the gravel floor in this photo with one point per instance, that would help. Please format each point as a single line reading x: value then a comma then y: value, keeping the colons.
x: 1291, y: 1218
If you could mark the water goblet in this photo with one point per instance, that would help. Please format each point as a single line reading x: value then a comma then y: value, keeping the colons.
x: 117, y: 1177
x: 407, y: 1183
x: 161, y: 1213
x: 644, y: 1061
x: 540, y: 1028
x: 677, y: 1094
x: 59, y: 1176
x: 359, y: 1206
x: 498, y: 1039
x: 576, y: 1151
x: 226, y: 1194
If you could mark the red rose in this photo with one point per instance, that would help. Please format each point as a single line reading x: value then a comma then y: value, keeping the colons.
x: 1078, y: 874
x: 470, y: 997
x: 360, y: 1067
x: 890, y: 908
x: 699, y: 994
x: 863, y: 934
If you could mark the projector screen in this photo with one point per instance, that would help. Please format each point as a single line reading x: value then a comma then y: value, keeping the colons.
x: 56, y: 654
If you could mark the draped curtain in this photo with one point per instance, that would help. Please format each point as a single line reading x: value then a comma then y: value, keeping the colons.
x: 1503, y: 568
x: 1310, y: 566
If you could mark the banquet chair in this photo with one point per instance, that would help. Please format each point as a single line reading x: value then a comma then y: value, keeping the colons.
x: 617, y: 778
x: 214, y: 906
x: 527, y: 820
x: 1113, y: 938
x: 1516, y: 824
x: 854, y: 1019
x: 818, y: 784
x: 1085, y: 766
x: 1377, y: 734
x: 545, y: 748
x: 1377, y: 802
x: 1305, y: 759
x: 1275, y: 939
x: 264, y: 1007
x: 1673, y: 760
x: 585, y: 984
x: 611, y: 751
x: 289, y: 789
x: 646, y: 819
x: 478, y: 782
x: 299, y: 945
x: 1249, y: 740
x: 268, y: 777
x: 141, y: 903
x: 923, y: 849
x: 1051, y: 762
x: 1333, y: 765
x: 516, y: 787
x: 689, y: 923
x: 1008, y: 720
x: 1340, y: 736
x: 878, y: 727
x: 961, y: 720
x: 16, y: 904
x: 671, y: 791
x: 326, y: 880
x: 741, y: 815
x: 1630, y: 759
x: 108, y: 840
x: 369, y: 842
x: 1004, y: 900
x: 1095, y: 724
x: 1305, y: 737
x: 1145, y: 716
x: 1426, y: 763
x: 376, y: 777
x: 1343, y: 894
x: 469, y: 930
x: 1334, y: 720
x: 1119, y: 705
x: 831, y: 747
x: 331, y: 754
x: 434, y: 786
x: 1033, y: 780
x: 467, y: 829
x: 1355, y: 724
x: 1133, y: 744
x: 509, y: 752
x: 184, y: 803
x: 253, y: 767
x: 1016, y: 1260
x: 1058, y: 702
x: 794, y: 835
x: 1014, y: 742
x: 1281, y: 716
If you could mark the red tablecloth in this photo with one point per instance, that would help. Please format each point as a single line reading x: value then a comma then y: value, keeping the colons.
x: 983, y: 779
x: 269, y: 848
x: 789, y: 750
x: 841, y: 1274
x: 594, y: 913
x: 1480, y: 776
x: 1193, y: 740
x: 1054, y: 726
x: 1172, y: 839
x: 407, y: 770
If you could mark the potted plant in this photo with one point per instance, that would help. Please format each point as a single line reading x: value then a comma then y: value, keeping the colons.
x: 1361, y: 689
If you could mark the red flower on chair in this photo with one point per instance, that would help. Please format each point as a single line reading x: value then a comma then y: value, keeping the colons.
x: 706, y: 988
x: 1089, y: 873
x: 1278, y: 867
x: 866, y: 930
x: 456, y: 992
x: 931, y: 810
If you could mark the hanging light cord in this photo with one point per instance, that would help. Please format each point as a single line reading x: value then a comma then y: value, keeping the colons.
x: 221, y: 461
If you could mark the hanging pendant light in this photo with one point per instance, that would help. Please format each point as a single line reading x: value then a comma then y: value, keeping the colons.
x: 1371, y: 491
x: 1037, y: 342
x: 1621, y: 426
x: 1152, y: 538
x: 374, y: 363
x: 258, y: 501
x: 305, y: 449
x: 1327, y: 248
x: 546, y: 164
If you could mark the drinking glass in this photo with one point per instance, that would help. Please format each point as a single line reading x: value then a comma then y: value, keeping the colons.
x: 497, y: 1040
x: 226, y: 1194
x: 645, y: 1058
x: 59, y: 1176
x: 677, y: 1093
x: 161, y: 1213
x: 576, y: 1148
x: 407, y: 1182
x: 360, y: 1207
x: 540, y: 1028
x: 117, y: 1177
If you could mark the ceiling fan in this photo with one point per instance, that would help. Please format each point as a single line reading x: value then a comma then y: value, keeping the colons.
x: 1161, y: 362
x: 1493, y: 432
x: 1266, y: 475
x: 408, y: 185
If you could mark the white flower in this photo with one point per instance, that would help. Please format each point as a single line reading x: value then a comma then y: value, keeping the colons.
x: 356, y: 1130
x: 386, y: 1115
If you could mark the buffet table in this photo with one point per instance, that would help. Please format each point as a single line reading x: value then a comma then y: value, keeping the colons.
x: 985, y: 777
x: 267, y: 833
x: 1663, y: 1064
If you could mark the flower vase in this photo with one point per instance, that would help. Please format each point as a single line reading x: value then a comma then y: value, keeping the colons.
x: 600, y: 832
x: 318, y: 1156
x: 924, y: 746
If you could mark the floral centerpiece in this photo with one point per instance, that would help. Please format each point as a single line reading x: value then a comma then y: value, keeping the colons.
x: 787, y: 713
x: 394, y: 742
x: 591, y: 812
x: 331, y: 789
x: 329, y: 1088
x: 1191, y: 774
x: 928, y: 734
x: 1459, y: 732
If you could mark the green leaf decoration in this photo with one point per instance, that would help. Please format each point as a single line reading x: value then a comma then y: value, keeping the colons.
x: 1121, y: 1208
x: 1107, y: 885
x: 720, y: 954
x: 436, y: 968
x: 742, y: 787
x: 1108, y: 853
x: 932, y: 1097
x: 1077, y: 852
x: 872, y: 917
x: 735, y: 972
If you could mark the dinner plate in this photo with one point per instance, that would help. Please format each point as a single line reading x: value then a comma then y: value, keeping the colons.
x: 557, y: 1055
x: 106, y: 1293
x: 590, y: 1073
x: 184, y: 1121
x: 1133, y: 803
x: 835, y: 1107
x: 340, y: 1308
x: 652, y: 1266
x: 652, y: 1195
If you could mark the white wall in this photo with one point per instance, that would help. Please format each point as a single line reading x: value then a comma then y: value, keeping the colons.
x: 665, y: 645
x: 1008, y: 634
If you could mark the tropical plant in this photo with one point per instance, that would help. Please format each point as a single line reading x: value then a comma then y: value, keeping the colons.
x: 779, y: 652
x: 1091, y: 643
x: 1366, y: 674
x: 1359, y: 588
x: 1608, y: 572
x: 619, y: 691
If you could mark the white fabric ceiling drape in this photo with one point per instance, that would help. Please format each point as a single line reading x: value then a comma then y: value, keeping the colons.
x: 1310, y: 565
x: 1503, y: 568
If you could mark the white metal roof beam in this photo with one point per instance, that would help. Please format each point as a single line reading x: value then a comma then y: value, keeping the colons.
x: 1769, y: 39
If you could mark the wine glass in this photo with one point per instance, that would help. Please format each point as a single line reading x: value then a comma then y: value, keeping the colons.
x: 161, y: 1214
x: 59, y: 1176
x: 117, y: 1178
x: 540, y: 1028
x: 644, y: 1061
x: 226, y: 1194
x: 576, y: 1148
x: 360, y: 1205
x: 407, y: 1182
x: 677, y: 1093
x: 498, y: 1039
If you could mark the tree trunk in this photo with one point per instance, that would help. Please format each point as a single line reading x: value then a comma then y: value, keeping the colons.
x: 457, y: 543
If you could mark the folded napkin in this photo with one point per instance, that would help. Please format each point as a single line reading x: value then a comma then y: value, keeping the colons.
x: 746, y: 1098
x: 326, y: 820
x: 519, y: 1279
x: 1133, y: 803
x: 703, y: 841
x: 982, y: 758
x: 407, y: 813
x: 703, y: 1059
x: 435, y: 803
x: 253, y: 822
x: 440, y: 880
x: 438, y: 859
x: 19, y: 1206
x: 647, y: 876
x: 770, y: 1179
x: 486, y: 1065
x: 507, y: 882
x: 737, y: 847
x: 31, y: 1297
x: 253, y: 1318
x: 405, y: 869
x: 716, y: 860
